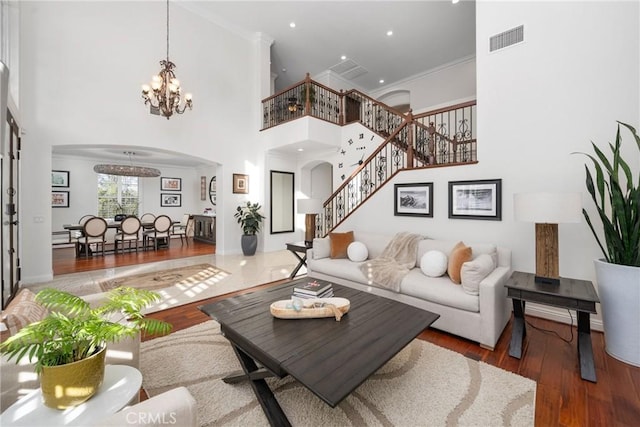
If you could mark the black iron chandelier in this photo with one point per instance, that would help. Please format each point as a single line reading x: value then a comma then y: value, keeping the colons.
x: 163, y: 93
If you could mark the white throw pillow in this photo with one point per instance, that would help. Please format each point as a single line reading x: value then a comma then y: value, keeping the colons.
x: 357, y: 251
x: 473, y: 272
x: 434, y: 263
x: 321, y: 247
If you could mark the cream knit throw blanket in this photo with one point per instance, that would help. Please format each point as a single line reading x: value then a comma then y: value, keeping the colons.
x: 394, y: 263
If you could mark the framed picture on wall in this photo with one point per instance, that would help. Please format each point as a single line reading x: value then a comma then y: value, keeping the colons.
x: 59, y: 199
x: 481, y: 199
x: 413, y: 199
x: 240, y: 183
x: 60, y: 178
x: 170, y: 184
x: 170, y: 200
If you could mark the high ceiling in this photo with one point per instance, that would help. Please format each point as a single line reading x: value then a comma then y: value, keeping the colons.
x: 426, y: 34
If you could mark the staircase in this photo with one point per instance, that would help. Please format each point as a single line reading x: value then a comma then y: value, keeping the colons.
x: 442, y: 137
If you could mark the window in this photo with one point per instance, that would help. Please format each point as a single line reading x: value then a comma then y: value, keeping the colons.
x: 117, y: 195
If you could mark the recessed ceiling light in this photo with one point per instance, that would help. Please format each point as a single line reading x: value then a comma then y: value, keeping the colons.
x: 343, y: 57
x: 454, y: 1
x: 292, y: 24
x: 284, y: 70
x: 300, y: 149
x: 389, y: 33
x: 381, y: 81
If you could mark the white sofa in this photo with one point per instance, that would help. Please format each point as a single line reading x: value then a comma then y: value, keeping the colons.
x: 479, y: 318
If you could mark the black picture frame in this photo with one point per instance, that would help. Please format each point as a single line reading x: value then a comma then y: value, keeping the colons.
x: 413, y: 199
x: 60, y: 179
x: 59, y: 199
x: 170, y: 184
x: 170, y: 200
x: 478, y: 199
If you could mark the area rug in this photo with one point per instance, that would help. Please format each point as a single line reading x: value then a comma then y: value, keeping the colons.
x: 423, y: 385
x: 182, y: 276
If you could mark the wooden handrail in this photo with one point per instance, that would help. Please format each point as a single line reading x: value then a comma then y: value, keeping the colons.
x: 445, y: 109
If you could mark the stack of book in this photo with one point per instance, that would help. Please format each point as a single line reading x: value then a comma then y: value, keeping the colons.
x: 313, y: 289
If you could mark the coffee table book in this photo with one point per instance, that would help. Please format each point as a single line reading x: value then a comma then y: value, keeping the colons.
x: 327, y: 294
x: 313, y: 288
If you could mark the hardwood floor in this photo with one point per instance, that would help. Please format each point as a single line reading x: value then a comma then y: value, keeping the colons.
x: 65, y: 261
x: 562, y: 399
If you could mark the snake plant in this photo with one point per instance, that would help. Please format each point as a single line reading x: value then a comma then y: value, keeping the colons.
x: 74, y: 331
x: 617, y: 199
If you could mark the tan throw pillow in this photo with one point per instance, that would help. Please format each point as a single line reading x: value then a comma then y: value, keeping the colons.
x: 22, y: 311
x: 473, y: 272
x: 339, y: 243
x: 458, y: 256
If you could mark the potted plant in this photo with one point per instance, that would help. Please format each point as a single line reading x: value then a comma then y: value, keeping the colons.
x: 250, y: 220
x: 68, y: 346
x: 616, y: 194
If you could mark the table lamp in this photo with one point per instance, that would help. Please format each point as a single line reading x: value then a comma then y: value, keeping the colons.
x: 547, y: 210
x: 310, y: 207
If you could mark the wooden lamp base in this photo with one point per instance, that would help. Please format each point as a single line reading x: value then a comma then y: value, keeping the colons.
x: 547, y: 254
x: 310, y: 227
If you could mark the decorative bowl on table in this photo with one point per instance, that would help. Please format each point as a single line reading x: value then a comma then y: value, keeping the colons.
x: 310, y: 308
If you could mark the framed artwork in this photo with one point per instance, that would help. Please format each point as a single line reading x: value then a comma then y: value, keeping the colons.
x: 59, y: 199
x: 170, y: 184
x: 480, y: 199
x: 203, y: 188
x: 240, y: 183
x: 170, y: 200
x: 60, y: 178
x: 213, y: 191
x: 413, y: 199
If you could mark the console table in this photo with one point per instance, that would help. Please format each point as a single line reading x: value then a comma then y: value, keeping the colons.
x: 572, y: 294
x: 120, y: 386
x: 204, y: 228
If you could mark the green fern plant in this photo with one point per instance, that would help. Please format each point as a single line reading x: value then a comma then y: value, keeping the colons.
x: 617, y: 202
x: 74, y: 331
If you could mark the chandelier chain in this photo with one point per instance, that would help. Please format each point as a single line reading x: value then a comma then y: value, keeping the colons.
x: 167, y: 30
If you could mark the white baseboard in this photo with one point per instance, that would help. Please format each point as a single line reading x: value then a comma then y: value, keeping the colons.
x: 558, y: 315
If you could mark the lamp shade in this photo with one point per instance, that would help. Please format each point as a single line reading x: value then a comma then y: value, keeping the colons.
x: 309, y: 206
x: 548, y: 208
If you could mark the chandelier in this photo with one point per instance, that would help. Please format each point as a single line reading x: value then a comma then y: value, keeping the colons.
x: 163, y: 93
x: 127, y: 170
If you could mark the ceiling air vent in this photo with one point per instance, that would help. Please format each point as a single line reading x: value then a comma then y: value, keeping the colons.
x: 507, y: 38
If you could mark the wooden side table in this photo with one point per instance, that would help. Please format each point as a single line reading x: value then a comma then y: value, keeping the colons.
x: 295, y: 248
x: 572, y: 294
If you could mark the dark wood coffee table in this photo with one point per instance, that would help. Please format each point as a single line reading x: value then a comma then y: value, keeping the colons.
x: 329, y: 358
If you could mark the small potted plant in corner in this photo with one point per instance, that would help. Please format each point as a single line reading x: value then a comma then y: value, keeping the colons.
x: 69, y: 345
x: 250, y: 220
x: 616, y: 194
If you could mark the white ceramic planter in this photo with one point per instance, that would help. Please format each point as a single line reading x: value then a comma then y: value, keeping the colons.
x: 619, y: 292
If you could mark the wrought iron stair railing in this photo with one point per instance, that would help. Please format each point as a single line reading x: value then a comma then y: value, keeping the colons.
x: 442, y: 137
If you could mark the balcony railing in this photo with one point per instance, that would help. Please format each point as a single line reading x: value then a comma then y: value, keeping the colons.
x: 443, y: 137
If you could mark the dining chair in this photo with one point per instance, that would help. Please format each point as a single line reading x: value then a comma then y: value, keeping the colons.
x: 93, y: 233
x: 74, y: 235
x: 161, y: 230
x: 129, y: 228
x: 181, y: 228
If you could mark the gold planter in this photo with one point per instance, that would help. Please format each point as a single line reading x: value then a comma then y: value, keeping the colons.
x: 69, y: 385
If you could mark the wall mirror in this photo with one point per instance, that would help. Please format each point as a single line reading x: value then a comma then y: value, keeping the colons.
x: 282, y: 217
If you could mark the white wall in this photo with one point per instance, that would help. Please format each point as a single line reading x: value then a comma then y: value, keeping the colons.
x: 82, y: 65
x: 576, y: 74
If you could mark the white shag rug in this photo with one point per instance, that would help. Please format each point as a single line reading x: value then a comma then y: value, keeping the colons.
x: 423, y: 385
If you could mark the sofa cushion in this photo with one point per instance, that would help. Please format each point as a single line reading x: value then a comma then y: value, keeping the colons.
x: 434, y: 263
x: 472, y: 273
x: 341, y: 267
x: 459, y: 255
x: 439, y: 290
x: 321, y: 247
x: 357, y: 252
x: 22, y: 311
x: 339, y: 243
